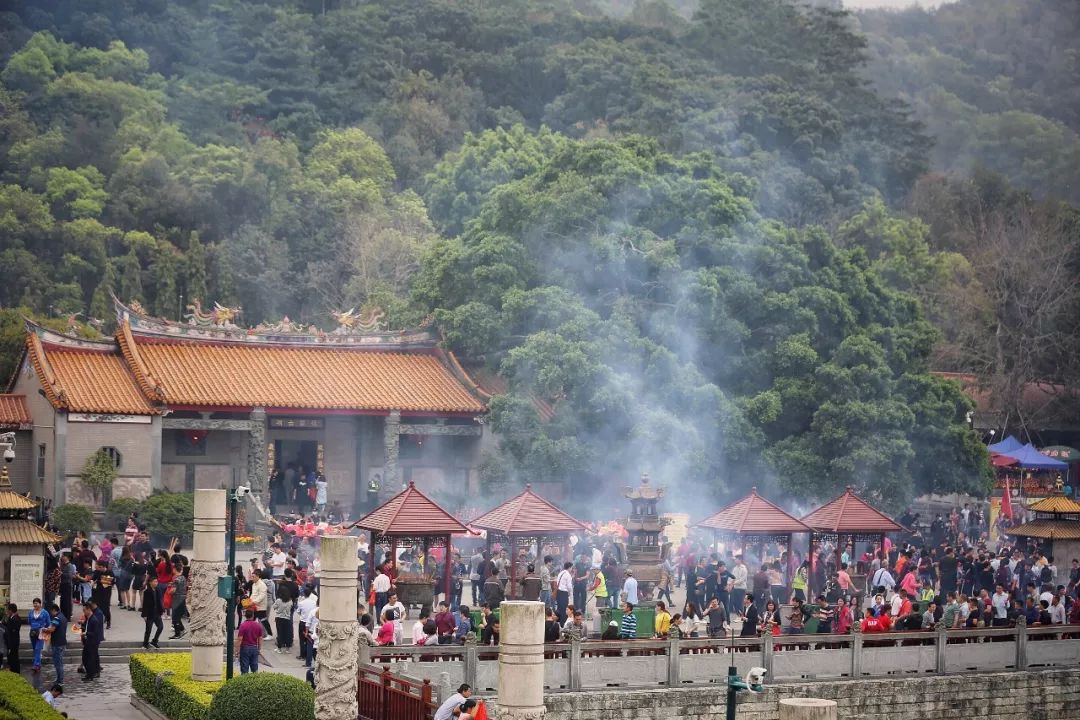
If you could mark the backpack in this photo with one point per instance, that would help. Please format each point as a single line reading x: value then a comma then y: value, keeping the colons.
x: 1003, y: 576
x: 1045, y: 575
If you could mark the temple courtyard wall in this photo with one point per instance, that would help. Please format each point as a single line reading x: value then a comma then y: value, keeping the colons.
x: 1035, y: 695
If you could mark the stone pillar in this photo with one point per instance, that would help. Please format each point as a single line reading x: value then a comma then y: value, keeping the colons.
x: 207, y: 610
x: 807, y: 709
x: 391, y: 484
x: 1021, y: 643
x: 856, y: 650
x: 256, y: 455
x: 335, y: 695
x: 521, y: 660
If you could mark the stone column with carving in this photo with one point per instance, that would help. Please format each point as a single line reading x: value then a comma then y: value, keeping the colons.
x: 391, y: 483
x: 207, y: 610
x: 521, y: 660
x: 335, y: 694
x: 256, y: 459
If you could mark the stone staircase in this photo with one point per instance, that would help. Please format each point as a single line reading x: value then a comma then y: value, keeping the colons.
x: 111, y: 651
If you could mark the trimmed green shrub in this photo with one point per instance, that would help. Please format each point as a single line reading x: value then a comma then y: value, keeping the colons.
x: 165, y: 682
x: 263, y: 695
x: 19, y: 700
x: 117, y: 513
x: 169, y: 514
x: 70, y: 518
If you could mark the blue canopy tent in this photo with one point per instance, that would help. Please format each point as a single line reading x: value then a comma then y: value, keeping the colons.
x: 1006, y: 446
x: 1031, y: 459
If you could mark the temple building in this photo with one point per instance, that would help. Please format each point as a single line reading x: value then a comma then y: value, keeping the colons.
x: 206, y: 404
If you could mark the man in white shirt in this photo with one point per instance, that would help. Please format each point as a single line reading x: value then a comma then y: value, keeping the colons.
x: 1000, y: 602
x: 446, y: 710
x: 738, y: 588
x: 399, y: 627
x: 564, y: 586
x: 278, y: 560
x: 381, y: 587
x: 418, y: 635
x: 1057, y: 611
x: 883, y: 578
x: 630, y: 588
x: 307, y: 607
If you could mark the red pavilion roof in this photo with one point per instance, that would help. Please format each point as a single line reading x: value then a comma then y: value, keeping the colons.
x: 753, y: 515
x: 850, y: 514
x: 527, y: 514
x: 410, y: 512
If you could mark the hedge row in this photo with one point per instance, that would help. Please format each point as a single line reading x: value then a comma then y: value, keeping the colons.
x: 164, y: 681
x: 20, y: 701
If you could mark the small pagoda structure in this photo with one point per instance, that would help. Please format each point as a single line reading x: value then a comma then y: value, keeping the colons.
x: 522, y: 521
x: 1056, y: 527
x: 20, y: 537
x: 644, y: 551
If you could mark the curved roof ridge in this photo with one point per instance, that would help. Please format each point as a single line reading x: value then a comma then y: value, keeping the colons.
x: 136, y: 364
x: 46, y: 377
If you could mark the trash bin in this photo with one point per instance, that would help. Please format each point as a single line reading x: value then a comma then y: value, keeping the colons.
x: 646, y: 621
x: 606, y: 616
x: 811, y: 625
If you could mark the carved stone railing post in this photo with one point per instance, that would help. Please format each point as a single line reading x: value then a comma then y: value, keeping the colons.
x: 335, y: 685
x: 941, y: 644
x: 856, y: 650
x: 207, y: 610
x: 256, y: 464
x: 521, y: 660
x: 574, y: 657
x: 1021, y: 643
x: 391, y: 482
x: 767, y: 650
x: 673, y: 659
x: 472, y: 661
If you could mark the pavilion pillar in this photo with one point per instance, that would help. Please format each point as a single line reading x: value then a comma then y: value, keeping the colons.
x: 335, y: 695
x: 207, y: 565
x: 521, y: 660
x: 447, y: 566
x: 391, y: 444
x: 256, y: 459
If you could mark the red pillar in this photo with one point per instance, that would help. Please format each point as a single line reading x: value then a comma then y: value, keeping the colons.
x: 446, y: 574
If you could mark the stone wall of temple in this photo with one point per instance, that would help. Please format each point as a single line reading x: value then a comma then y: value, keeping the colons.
x: 988, y: 696
x: 134, y: 441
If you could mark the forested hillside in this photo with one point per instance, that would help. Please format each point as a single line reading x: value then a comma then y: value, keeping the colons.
x: 709, y: 242
x: 994, y: 81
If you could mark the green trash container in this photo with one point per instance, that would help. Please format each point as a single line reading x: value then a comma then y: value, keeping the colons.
x: 606, y: 616
x: 476, y: 616
x: 646, y: 621
x: 811, y: 625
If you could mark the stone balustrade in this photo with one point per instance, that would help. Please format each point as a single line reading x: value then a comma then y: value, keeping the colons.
x: 650, y: 663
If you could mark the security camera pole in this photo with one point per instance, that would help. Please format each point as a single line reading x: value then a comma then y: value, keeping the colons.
x: 230, y: 602
x: 735, y: 683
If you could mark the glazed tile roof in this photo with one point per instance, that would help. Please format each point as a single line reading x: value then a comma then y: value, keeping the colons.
x: 13, y: 413
x: 753, y: 515
x: 24, y: 532
x: 850, y: 514
x: 410, y: 512
x: 87, y: 379
x: 224, y: 375
x: 10, y: 500
x: 1048, y: 529
x: 1056, y: 504
x: 527, y: 514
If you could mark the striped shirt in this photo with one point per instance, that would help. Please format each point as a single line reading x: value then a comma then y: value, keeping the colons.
x: 628, y: 628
